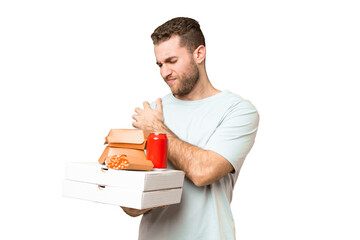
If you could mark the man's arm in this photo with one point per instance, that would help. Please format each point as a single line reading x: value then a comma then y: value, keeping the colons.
x: 201, y: 166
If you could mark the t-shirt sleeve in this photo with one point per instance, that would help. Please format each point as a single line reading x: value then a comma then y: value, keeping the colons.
x: 235, y: 135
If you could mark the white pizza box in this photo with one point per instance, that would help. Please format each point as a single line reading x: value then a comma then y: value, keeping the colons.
x: 96, y: 173
x: 121, y: 197
x: 135, y: 189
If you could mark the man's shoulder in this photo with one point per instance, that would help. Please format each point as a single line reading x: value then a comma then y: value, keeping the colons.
x: 167, y: 98
x: 237, y: 101
x: 228, y: 95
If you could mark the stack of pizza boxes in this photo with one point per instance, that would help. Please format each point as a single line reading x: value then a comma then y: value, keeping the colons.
x: 137, y: 185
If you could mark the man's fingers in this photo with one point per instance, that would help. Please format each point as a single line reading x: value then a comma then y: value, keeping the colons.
x: 159, y: 105
x: 138, y: 110
x: 135, y: 117
x: 146, y: 105
x: 135, y: 125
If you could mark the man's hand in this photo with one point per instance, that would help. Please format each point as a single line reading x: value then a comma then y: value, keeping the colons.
x: 148, y: 118
x: 135, y: 212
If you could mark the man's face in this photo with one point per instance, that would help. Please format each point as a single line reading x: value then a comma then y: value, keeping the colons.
x: 177, y: 66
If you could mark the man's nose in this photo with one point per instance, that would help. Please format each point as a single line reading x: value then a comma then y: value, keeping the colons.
x: 165, y: 71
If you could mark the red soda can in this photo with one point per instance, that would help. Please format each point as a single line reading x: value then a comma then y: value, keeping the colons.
x: 157, y: 149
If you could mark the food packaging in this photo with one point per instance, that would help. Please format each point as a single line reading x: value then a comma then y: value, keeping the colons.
x: 137, y: 159
x: 135, y: 189
x: 128, y: 142
x: 127, y: 138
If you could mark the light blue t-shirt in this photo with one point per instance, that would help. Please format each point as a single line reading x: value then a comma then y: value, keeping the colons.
x: 226, y: 124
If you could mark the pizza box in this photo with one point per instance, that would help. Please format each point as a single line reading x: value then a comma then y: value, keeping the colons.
x: 121, y: 197
x: 135, y: 189
x: 93, y: 172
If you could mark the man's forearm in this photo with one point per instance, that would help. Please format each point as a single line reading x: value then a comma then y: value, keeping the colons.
x: 194, y: 161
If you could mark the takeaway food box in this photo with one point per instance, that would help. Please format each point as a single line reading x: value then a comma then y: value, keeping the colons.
x: 128, y: 142
x: 135, y: 189
x: 93, y: 181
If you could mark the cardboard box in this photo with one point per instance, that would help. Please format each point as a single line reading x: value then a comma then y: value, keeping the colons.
x: 127, y: 138
x: 93, y: 172
x: 121, y: 197
x: 136, y: 157
x: 129, y: 142
x: 134, y: 189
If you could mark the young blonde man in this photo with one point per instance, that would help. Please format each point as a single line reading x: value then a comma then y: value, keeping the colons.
x: 210, y: 132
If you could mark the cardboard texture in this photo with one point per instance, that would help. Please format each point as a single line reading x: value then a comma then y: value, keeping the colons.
x: 136, y: 189
x: 95, y: 173
x: 130, y: 153
x: 137, y: 159
x: 121, y: 197
x: 127, y: 138
x: 130, y: 142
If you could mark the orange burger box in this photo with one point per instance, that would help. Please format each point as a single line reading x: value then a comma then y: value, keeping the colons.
x: 129, y: 142
x: 127, y: 138
x: 135, y: 189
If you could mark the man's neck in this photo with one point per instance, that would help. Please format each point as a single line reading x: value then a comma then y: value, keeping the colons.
x: 202, y: 89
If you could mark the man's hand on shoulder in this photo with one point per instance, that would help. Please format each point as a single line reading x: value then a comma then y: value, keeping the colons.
x: 149, y: 118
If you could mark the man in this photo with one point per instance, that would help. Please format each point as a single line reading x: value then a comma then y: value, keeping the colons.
x: 209, y: 132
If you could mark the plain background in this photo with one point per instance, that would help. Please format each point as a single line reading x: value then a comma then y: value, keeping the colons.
x: 72, y: 70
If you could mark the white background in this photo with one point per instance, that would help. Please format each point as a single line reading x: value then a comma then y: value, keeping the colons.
x: 72, y: 70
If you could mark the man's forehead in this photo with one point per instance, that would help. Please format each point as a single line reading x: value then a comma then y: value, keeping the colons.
x: 168, y: 48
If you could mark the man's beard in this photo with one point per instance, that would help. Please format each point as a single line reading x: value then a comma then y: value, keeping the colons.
x: 188, y: 80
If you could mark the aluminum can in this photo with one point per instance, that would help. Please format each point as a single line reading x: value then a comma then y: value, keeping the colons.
x: 157, y: 149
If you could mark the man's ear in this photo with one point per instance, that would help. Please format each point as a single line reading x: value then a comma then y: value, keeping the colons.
x: 199, y: 54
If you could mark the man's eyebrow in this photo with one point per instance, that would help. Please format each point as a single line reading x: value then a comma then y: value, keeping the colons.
x: 169, y: 59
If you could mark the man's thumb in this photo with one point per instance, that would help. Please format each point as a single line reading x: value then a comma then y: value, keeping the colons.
x: 159, y: 105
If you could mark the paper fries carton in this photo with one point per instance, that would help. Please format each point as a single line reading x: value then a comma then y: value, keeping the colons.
x: 137, y: 159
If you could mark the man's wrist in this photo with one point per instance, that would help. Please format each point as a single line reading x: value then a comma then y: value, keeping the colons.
x: 161, y: 128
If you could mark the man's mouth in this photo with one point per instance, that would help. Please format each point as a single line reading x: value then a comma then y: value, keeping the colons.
x: 170, y: 80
